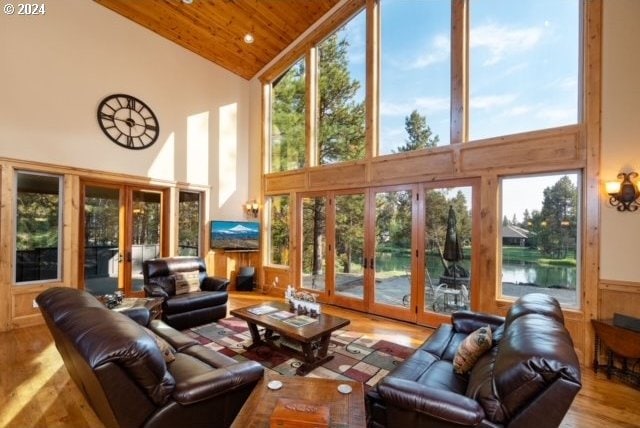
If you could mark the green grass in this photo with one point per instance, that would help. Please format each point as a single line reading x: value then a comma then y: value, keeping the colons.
x: 530, y: 255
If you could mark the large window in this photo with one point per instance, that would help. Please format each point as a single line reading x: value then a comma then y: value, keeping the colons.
x: 189, y: 221
x: 278, y: 227
x: 524, y: 65
x: 38, y: 227
x: 415, y: 80
x: 341, y: 89
x: 540, y: 224
x: 288, y: 107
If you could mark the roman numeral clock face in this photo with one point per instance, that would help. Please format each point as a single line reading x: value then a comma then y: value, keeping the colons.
x: 128, y: 122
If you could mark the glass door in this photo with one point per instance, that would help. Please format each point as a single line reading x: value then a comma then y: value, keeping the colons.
x: 121, y: 227
x: 447, y: 232
x: 349, y: 250
x: 314, y: 243
x: 102, y: 257
x: 392, y: 260
x: 146, y: 231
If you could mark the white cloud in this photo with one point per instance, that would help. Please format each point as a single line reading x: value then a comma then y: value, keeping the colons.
x: 500, y: 40
x: 491, y: 101
x: 424, y: 105
x: 438, y: 51
x: 557, y: 115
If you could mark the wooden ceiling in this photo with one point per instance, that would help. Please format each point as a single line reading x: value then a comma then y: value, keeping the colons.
x: 215, y: 29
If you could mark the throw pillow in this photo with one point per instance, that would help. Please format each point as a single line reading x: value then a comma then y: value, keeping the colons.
x: 472, y: 348
x: 167, y: 351
x: 187, y: 282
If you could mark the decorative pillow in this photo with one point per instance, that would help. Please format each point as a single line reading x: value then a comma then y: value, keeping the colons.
x: 472, y: 348
x: 168, y: 352
x: 187, y: 282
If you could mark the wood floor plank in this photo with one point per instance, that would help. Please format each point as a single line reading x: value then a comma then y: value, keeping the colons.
x: 40, y: 393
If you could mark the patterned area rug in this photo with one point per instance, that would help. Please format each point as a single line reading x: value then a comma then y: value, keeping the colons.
x: 356, y: 356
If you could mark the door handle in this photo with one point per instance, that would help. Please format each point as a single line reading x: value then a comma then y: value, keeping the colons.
x: 371, y: 265
x: 364, y: 262
x: 119, y: 257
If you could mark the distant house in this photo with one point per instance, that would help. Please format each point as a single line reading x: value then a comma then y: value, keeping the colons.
x: 515, y: 235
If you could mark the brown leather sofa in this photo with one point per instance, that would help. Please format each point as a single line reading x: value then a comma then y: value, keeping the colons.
x: 529, y: 377
x: 187, y: 310
x: 121, y: 371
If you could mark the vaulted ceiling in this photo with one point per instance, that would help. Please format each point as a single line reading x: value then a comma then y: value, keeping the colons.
x: 215, y: 29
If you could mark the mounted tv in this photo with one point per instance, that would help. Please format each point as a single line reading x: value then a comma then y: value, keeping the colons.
x: 235, y: 235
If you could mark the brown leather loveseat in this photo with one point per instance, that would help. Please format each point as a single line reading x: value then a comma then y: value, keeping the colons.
x: 205, y: 304
x: 129, y: 382
x: 528, y: 378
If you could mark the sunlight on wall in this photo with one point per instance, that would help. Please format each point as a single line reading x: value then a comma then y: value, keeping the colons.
x: 163, y: 165
x: 198, y: 148
x: 228, y: 147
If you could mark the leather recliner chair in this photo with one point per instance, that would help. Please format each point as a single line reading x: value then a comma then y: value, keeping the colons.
x: 183, y: 311
x: 121, y: 370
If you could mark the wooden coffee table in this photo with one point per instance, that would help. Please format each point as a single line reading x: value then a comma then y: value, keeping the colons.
x: 313, y: 338
x: 345, y: 410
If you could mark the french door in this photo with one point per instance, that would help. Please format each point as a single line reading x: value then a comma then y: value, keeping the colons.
x: 121, y: 226
x: 386, y: 250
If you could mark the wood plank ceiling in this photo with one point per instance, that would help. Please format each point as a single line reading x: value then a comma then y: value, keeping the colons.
x: 215, y: 29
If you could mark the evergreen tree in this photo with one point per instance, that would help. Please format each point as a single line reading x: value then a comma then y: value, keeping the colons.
x: 341, y: 119
x: 419, y: 133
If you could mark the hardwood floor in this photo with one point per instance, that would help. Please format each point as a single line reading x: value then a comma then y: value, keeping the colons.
x: 39, y: 393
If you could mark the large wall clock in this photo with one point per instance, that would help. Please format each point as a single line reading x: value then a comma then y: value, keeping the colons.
x: 128, y: 122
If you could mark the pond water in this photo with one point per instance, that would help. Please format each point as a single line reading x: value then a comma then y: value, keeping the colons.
x: 512, y: 272
x: 545, y: 276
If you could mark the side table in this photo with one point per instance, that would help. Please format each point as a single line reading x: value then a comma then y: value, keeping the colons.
x: 620, y: 342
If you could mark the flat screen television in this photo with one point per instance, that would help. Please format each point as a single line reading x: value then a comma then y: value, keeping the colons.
x: 235, y: 235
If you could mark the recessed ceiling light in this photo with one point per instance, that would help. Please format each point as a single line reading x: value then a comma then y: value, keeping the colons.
x: 248, y: 38
x: 187, y: 1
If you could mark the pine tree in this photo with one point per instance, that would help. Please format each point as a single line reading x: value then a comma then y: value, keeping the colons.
x: 419, y: 133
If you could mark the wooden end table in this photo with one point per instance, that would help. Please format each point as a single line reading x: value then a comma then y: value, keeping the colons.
x: 313, y: 338
x: 345, y: 410
x: 620, y: 342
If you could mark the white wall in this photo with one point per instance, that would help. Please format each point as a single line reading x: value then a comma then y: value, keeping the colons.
x: 55, y: 69
x: 620, y: 232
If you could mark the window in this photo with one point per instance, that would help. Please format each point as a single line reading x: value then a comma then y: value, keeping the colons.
x: 38, y: 227
x: 415, y: 77
x: 288, y: 143
x: 524, y: 65
x: 540, y: 251
x: 278, y: 230
x: 189, y: 221
x: 341, y: 89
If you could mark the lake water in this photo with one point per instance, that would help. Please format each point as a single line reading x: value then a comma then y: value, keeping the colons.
x: 545, y: 276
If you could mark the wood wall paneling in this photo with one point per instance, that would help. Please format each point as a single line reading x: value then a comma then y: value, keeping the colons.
x: 521, y: 150
x: 418, y: 166
x: 285, y: 182
x: 337, y: 176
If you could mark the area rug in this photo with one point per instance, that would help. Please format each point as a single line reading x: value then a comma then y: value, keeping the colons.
x: 356, y: 356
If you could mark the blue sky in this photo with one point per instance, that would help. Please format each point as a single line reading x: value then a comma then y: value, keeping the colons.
x: 523, y: 70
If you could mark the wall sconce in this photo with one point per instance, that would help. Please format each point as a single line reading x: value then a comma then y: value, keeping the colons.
x: 624, y: 195
x: 252, y: 208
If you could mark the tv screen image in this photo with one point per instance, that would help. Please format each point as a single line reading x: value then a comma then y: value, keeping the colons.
x: 235, y: 235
